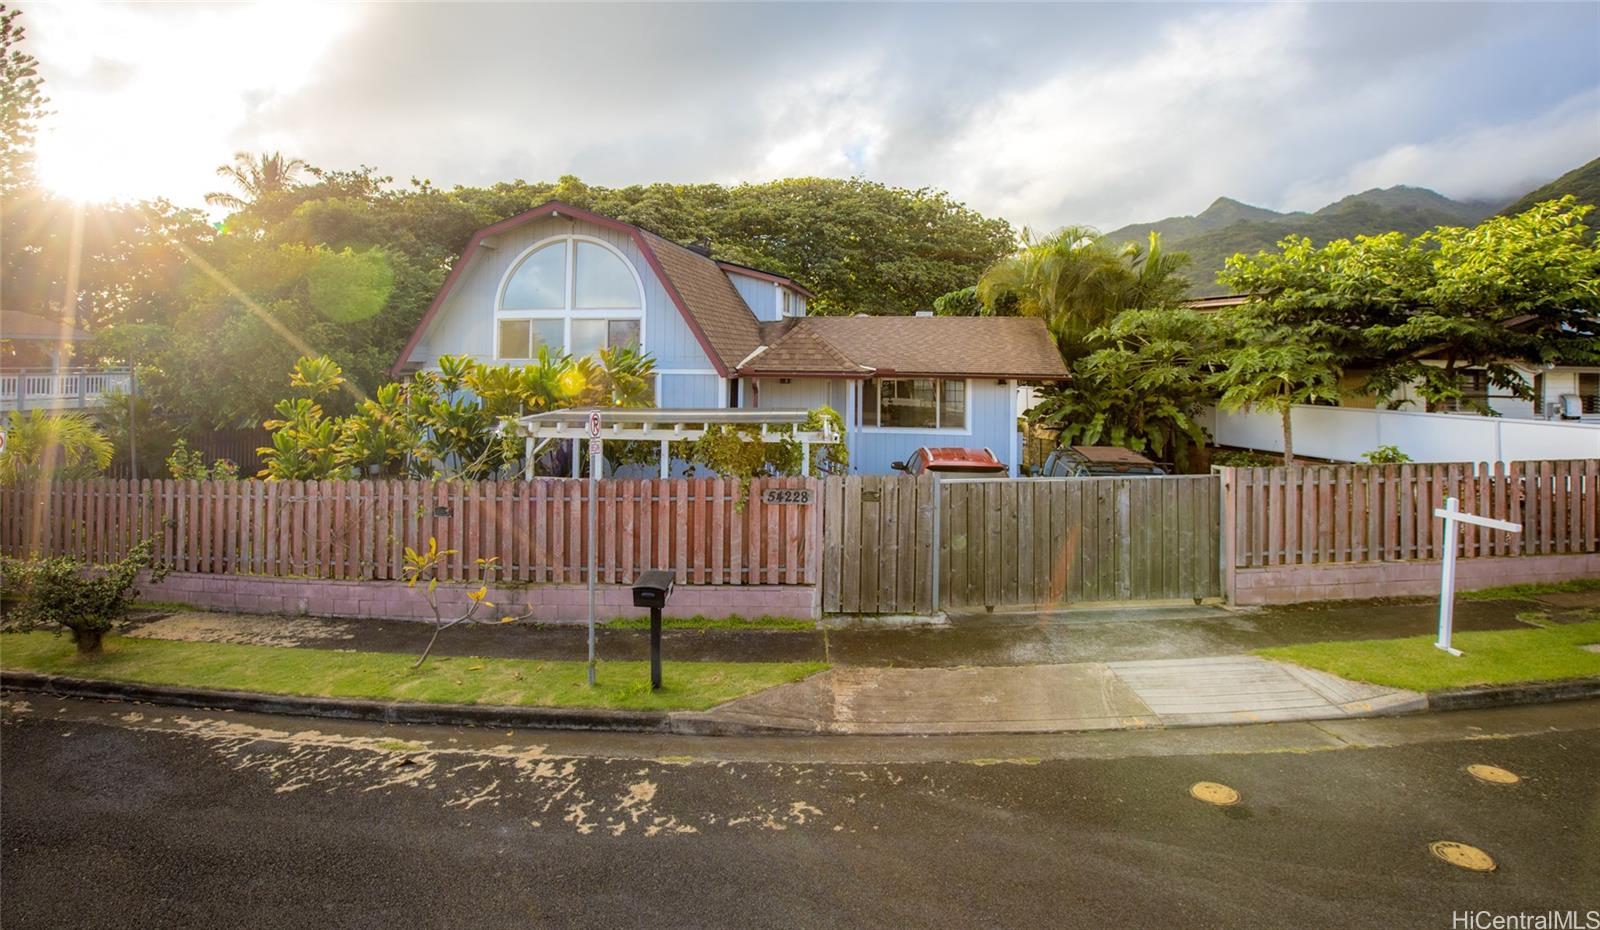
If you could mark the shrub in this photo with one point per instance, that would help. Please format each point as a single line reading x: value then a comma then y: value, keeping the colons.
x: 85, y: 599
x: 186, y: 463
x: 1385, y: 455
x: 1235, y: 458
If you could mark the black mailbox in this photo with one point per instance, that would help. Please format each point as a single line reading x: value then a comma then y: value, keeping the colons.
x: 652, y: 589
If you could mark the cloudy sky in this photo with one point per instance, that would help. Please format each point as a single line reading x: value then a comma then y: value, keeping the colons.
x: 1044, y: 114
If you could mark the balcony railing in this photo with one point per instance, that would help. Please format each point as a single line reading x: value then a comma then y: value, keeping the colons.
x: 61, y: 389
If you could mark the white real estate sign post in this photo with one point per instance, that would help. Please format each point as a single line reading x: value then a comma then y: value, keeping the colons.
x: 1453, y: 516
x: 594, y: 523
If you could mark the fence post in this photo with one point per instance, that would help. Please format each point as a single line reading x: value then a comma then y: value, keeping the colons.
x: 933, y: 560
x: 1230, y: 516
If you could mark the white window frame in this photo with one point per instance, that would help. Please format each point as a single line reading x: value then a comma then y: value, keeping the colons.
x: 937, y: 406
x: 571, y: 311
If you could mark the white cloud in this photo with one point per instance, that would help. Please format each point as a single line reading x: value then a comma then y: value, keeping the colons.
x: 1048, y: 114
x: 145, y: 97
x: 1484, y: 162
x: 1104, y: 146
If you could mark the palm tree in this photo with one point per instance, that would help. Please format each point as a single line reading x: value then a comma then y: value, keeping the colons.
x: 1156, y: 278
x: 1070, y: 279
x: 257, y: 176
x: 44, y: 445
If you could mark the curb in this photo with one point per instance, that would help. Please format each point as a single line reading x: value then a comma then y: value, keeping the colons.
x: 1575, y: 689
x: 681, y: 723
x: 492, y: 716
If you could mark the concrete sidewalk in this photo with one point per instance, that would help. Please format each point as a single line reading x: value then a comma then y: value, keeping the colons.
x: 1054, y: 698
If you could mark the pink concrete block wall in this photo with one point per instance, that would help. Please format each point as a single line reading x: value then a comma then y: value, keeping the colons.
x: 1291, y: 584
x: 392, y: 600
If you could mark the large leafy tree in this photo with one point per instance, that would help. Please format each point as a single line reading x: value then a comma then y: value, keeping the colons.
x: 1420, y: 310
x: 22, y: 106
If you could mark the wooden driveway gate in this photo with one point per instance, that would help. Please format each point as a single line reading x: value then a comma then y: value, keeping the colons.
x: 1017, y: 542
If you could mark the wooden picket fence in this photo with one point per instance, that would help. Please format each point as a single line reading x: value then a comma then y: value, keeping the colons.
x: 702, y: 529
x: 1017, y: 542
x: 1382, y: 513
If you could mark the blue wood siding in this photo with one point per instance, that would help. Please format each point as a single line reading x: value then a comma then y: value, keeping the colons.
x: 757, y: 294
x: 689, y: 391
x: 988, y: 418
x: 464, y: 324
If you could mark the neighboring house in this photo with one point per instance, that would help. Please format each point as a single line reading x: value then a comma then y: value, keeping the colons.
x: 726, y: 335
x: 1551, y: 386
x: 36, y: 368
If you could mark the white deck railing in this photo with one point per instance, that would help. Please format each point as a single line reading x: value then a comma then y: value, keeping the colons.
x: 66, y: 388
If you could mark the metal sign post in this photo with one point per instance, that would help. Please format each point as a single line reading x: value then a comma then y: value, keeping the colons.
x: 1453, y: 516
x: 594, y: 524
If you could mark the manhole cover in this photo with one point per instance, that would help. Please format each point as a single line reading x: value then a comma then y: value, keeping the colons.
x: 1463, y: 856
x: 1493, y: 774
x: 1213, y: 793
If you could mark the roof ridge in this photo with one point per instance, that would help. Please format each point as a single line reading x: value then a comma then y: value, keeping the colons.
x: 803, y: 326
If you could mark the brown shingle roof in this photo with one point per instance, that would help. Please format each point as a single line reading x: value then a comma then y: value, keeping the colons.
x: 795, y: 346
x: 990, y: 347
x: 717, y: 308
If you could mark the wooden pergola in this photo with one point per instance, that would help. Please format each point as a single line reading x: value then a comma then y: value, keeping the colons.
x: 654, y: 424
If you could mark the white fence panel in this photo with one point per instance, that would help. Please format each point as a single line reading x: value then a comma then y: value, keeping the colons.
x: 1344, y: 433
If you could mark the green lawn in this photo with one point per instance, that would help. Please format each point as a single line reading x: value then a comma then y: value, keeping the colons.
x: 389, y: 676
x: 698, y: 622
x: 1530, y: 590
x: 1492, y: 658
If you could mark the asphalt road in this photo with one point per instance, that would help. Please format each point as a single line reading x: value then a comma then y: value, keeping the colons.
x: 137, y: 816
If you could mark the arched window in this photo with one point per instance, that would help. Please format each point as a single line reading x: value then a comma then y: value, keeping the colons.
x: 572, y: 293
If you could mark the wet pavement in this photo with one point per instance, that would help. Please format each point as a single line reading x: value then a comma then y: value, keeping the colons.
x: 978, y: 639
x: 118, y: 815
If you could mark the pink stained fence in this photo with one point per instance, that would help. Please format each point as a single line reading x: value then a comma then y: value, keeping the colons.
x: 1319, y: 514
x: 702, y: 529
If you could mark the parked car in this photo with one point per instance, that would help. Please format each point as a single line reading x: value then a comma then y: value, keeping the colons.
x: 1097, y: 461
x: 948, y: 460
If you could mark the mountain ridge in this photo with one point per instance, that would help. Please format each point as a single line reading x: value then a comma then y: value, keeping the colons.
x: 1228, y: 226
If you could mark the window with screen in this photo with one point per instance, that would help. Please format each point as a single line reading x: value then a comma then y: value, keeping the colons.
x: 914, y: 403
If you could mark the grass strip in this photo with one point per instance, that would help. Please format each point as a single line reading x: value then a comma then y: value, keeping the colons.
x: 1529, y: 590
x: 388, y: 676
x: 1500, y: 657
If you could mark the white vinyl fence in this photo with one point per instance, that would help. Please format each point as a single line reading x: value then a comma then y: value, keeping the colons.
x: 1344, y: 433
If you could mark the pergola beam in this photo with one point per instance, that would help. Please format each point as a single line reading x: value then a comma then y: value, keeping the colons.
x: 646, y: 424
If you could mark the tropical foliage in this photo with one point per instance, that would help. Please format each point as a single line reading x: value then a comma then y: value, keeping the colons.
x: 43, y: 445
x: 1141, y: 387
x: 442, y: 423
x: 1075, y: 282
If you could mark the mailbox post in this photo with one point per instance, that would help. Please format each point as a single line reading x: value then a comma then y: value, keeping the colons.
x: 651, y: 589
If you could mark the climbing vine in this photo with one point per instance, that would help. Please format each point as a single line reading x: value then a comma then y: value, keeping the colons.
x: 736, y: 451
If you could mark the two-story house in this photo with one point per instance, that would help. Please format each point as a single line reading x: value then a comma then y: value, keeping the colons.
x: 725, y: 335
